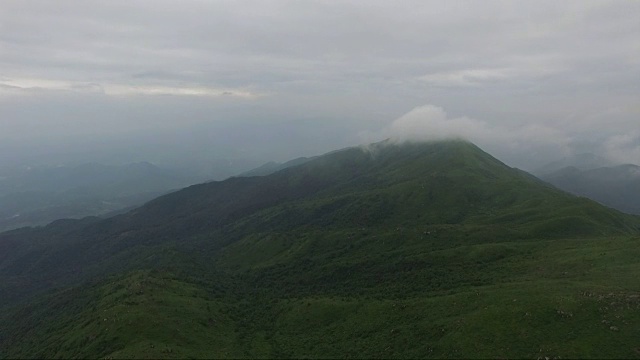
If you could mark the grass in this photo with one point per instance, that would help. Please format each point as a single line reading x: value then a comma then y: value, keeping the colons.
x: 144, y: 314
x: 564, y: 298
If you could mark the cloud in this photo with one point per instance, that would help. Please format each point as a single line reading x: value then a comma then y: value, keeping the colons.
x: 432, y: 123
x: 466, y: 78
x: 624, y: 148
x: 429, y: 122
x: 530, y: 76
x: 515, y: 70
x: 28, y: 85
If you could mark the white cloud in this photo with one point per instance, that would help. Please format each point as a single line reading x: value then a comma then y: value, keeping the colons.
x: 430, y: 123
x: 26, y: 85
x: 466, y: 78
x: 125, y: 90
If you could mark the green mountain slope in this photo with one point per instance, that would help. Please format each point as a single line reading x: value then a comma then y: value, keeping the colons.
x: 413, y: 250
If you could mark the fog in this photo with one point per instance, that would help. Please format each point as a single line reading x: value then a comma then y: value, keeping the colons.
x: 174, y: 82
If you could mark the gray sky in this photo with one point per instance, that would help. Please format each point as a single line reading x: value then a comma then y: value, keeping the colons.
x: 529, y: 81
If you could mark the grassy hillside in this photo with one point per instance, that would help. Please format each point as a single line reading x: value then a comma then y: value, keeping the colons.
x: 560, y: 298
x: 141, y: 315
x: 414, y: 250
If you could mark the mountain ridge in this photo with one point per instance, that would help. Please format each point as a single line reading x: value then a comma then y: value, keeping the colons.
x: 582, y: 161
x: 379, y: 186
x: 615, y: 186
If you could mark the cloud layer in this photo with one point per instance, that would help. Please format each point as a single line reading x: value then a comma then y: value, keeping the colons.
x: 22, y: 86
x: 558, y: 72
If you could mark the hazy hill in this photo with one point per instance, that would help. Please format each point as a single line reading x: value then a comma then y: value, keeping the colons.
x: 414, y: 250
x: 583, y: 161
x: 40, y: 195
x: 272, y: 166
x: 617, y: 187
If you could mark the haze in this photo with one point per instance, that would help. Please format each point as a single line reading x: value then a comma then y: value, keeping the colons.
x: 253, y: 81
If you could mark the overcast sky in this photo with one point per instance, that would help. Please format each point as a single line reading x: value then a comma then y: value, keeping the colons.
x: 529, y: 81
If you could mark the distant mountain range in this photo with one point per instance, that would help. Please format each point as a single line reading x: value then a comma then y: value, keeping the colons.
x: 583, y: 161
x: 616, y: 186
x: 38, y: 196
x: 416, y: 250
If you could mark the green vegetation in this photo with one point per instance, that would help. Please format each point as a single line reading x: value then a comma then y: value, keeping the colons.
x: 124, y: 317
x: 420, y: 250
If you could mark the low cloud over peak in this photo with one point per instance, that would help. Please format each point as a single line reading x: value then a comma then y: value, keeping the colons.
x: 430, y: 122
x: 524, y: 145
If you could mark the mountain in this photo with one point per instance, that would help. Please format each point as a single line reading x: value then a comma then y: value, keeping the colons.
x: 617, y: 187
x: 414, y: 250
x: 583, y: 161
x: 40, y: 195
